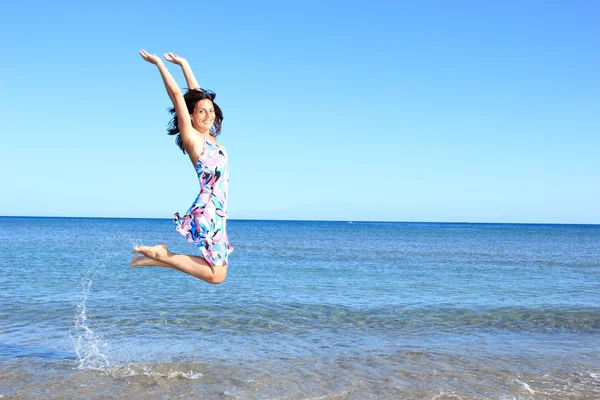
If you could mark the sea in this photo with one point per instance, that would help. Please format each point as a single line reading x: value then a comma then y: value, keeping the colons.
x: 309, y: 310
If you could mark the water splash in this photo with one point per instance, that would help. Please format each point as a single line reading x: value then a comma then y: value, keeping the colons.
x: 135, y: 242
x: 87, y: 342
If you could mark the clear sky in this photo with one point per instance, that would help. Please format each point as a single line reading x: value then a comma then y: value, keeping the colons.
x: 476, y: 111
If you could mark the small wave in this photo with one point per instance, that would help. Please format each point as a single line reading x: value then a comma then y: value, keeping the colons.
x: 526, y: 386
x: 132, y: 370
x: 445, y: 395
x: 306, y: 319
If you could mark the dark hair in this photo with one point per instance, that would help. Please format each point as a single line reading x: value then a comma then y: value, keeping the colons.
x: 192, y: 97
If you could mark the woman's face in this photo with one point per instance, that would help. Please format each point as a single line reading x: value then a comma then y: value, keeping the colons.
x: 204, y: 115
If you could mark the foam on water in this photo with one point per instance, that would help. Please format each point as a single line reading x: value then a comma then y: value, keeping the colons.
x: 154, y: 371
x: 444, y: 395
x: 526, y: 386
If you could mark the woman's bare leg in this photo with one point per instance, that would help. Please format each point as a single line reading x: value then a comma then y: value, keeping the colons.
x: 192, y: 265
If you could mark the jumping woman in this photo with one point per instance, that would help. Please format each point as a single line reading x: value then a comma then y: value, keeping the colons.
x: 196, y: 123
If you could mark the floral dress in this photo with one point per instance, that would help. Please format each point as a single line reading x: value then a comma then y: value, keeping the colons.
x: 204, y: 223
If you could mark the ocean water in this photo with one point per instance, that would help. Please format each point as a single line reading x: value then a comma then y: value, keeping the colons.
x: 309, y: 310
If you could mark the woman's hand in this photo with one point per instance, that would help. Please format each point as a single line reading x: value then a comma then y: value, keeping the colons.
x: 185, y: 66
x: 151, y: 58
x: 175, y: 59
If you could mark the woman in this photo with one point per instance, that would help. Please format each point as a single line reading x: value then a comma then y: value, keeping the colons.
x: 196, y: 122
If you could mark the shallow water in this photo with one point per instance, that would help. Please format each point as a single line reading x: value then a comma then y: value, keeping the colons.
x: 309, y: 310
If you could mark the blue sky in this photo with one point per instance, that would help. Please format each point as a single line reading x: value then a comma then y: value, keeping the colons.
x: 395, y: 111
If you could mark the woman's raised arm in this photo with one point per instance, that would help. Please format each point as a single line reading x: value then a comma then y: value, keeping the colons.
x: 185, y: 66
x: 176, y: 96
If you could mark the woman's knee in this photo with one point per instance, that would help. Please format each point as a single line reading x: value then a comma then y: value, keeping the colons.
x: 219, y: 274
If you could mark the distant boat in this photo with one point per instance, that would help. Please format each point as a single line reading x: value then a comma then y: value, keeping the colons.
x: 349, y: 222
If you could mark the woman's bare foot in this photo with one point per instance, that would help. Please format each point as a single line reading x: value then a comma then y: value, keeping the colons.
x: 155, y: 252
x: 143, y: 261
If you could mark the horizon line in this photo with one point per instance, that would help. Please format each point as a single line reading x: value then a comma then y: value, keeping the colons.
x: 315, y: 220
